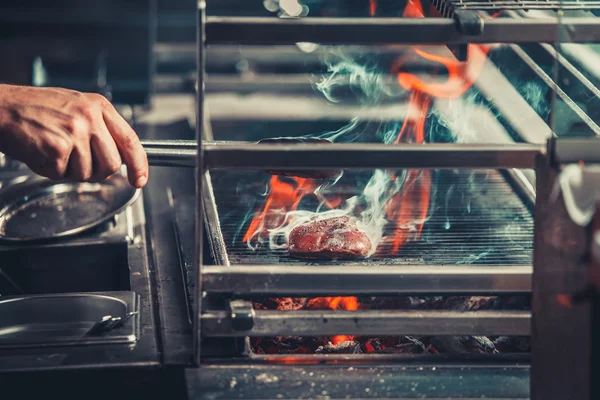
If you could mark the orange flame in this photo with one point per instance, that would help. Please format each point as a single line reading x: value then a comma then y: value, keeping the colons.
x: 410, y: 206
x: 335, y: 303
x: 372, y: 7
x: 284, y: 196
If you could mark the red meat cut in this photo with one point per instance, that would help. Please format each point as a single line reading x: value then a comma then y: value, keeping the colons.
x: 332, y: 238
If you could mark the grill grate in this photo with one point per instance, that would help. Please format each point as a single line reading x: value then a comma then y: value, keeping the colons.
x: 475, y: 218
x: 448, y: 7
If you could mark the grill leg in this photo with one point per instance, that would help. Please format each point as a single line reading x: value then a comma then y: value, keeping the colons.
x: 562, y: 335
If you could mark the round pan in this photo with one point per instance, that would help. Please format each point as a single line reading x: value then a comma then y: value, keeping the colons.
x: 39, y: 209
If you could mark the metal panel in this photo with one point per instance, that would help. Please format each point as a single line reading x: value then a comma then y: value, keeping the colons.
x: 355, y: 31
x: 378, y: 322
x: 340, y: 280
x: 562, y: 339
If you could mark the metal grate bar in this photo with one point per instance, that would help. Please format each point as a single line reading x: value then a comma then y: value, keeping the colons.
x: 375, y: 280
x: 448, y: 7
x: 371, y: 31
x: 248, y: 155
x: 568, y: 151
x: 379, y: 322
x: 370, y: 155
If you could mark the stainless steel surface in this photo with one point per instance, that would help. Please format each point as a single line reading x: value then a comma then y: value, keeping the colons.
x: 377, y: 322
x: 412, y: 381
x: 171, y: 157
x: 100, y: 261
x: 569, y: 151
x: 40, y: 209
x: 374, y: 280
x: 249, y: 30
x: 370, y: 155
x: 65, y: 319
x: 239, y: 155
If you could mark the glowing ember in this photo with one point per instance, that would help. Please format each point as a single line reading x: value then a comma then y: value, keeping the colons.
x: 335, y: 303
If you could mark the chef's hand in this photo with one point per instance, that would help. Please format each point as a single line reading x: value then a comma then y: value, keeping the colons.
x: 64, y: 134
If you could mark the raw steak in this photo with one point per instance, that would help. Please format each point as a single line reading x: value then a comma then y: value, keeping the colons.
x: 316, y: 174
x: 333, y: 238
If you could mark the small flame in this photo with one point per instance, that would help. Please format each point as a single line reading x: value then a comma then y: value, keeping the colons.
x: 335, y: 303
x: 409, y: 207
x: 283, y: 199
x: 284, y: 195
x: 372, y: 7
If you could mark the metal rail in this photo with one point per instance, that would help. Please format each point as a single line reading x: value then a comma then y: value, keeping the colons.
x: 377, y: 322
x: 366, y: 156
x: 373, y: 280
x: 357, y: 31
x: 570, y: 151
x: 248, y: 155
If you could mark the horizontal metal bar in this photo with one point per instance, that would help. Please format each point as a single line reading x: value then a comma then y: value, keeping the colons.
x: 372, y: 322
x: 366, y: 156
x: 372, y: 280
x: 171, y: 157
x: 248, y: 155
x: 370, y: 31
x: 169, y: 144
x: 569, y: 151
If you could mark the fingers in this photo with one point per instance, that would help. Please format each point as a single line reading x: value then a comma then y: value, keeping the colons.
x: 105, y: 155
x: 80, y: 163
x: 127, y: 142
x: 55, y: 161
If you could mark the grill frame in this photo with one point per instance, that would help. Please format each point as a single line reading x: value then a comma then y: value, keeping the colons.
x: 541, y: 158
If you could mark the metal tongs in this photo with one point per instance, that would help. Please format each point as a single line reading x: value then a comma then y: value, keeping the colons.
x: 108, y: 323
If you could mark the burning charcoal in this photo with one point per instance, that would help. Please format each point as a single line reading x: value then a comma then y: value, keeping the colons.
x: 316, y: 174
x: 480, y: 303
x: 448, y: 345
x: 459, y: 303
x: 333, y: 238
x: 281, y: 303
x: 513, y: 344
x: 347, y: 347
x: 478, y: 344
x: 404, y: 348
x: 405, y: 345
x: 415, y: 342
x: 373, y: 345
x: 511, y: 303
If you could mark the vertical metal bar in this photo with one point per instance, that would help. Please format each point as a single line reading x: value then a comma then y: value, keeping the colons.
x: 561, y: 335
x: 200, y: 45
